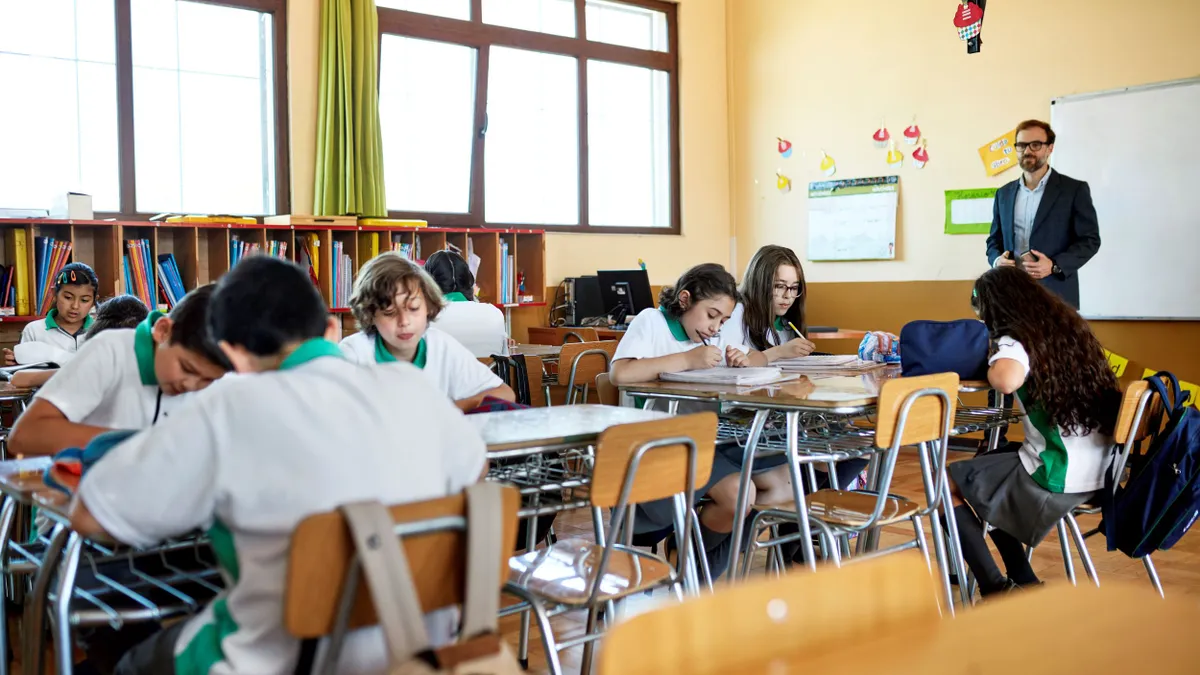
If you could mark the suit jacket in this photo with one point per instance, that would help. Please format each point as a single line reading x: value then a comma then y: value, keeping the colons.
x: 1065, y: 228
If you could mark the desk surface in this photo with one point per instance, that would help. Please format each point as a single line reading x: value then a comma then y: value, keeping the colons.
x: 536, y: 427
x: 542, y: 333
x: 541, y: 351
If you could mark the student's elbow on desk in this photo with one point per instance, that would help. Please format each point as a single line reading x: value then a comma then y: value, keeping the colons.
x: 1006, y: 376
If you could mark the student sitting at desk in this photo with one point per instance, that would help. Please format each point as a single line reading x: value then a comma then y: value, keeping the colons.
x: 394, y: 301
x: 64, y: 328
x: 770, y: 317
x: 478, y: 326
x: 252, y: 458
x: 124, y: 379
x: 1044, y: 352
x: 123, y: 311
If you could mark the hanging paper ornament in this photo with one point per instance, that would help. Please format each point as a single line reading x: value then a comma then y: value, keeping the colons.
x: 828, y: 167
x: 783, y: 183
x: 881, y: 136
x: 894, y: 157
x: 785, y: 148
x: 912, y: 133
x: 968, y: 19
x: 920, y: 156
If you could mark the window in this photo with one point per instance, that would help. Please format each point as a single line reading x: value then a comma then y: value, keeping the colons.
x: 210, y: 132
x: 560, y: 114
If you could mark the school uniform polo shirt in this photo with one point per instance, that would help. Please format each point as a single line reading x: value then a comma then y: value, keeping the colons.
x: 48, y: 331
x: 247, y: 461
x: 736, y: 331
x: 477, y: 326
x: 111, y: 382
x: 1056, y: 459
x: 452, y: 368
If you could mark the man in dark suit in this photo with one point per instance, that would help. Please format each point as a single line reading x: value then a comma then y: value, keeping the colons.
x: 1045, y: 221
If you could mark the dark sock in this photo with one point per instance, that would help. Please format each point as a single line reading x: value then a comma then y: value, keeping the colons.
x: 975, y: 551
x: 1012, y: 552
x: 717, y: 547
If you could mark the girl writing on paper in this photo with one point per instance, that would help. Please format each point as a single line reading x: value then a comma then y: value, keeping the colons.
x: 770, y: 317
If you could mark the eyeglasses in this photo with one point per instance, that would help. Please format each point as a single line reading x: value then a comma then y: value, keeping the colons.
x: 783, y: 290
x: 1035, y: 146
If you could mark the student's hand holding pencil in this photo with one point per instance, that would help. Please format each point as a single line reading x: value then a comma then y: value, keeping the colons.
x: 736, y: 358
x: 704, y: 356
x: 797, y: 347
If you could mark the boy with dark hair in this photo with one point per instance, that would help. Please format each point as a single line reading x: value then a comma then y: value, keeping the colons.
x: 124, y: 379
x: 253, y: 457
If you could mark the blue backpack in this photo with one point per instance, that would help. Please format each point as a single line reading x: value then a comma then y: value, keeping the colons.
x: 928, y: 347
x: 1161, y: 500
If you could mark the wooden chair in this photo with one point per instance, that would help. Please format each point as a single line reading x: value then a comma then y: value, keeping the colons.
x: 576, y: 334
x: 635, y: 463
x: 911, y: 411
x: 322, y: 564
x: 773, y: 619
x: 608, y: 392
x: 578, y: 365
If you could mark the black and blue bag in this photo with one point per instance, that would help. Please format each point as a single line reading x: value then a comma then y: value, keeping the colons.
x: 929, y: 347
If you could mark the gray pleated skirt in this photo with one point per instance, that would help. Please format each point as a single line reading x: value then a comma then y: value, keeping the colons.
x: 1003, y: 494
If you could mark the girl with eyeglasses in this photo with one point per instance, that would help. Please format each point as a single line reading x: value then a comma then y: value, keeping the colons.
x: 770, y: 317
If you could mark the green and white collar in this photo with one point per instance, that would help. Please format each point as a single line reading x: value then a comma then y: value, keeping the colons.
x: 310, y: 350
x: 677, y: 329
x: 143, y: 348
x: 455, y: 297
x: 52, y: 322
x: 382, y: 355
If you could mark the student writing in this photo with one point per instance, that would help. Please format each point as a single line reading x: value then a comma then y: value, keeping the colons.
x: 64, y: 328
x: 248, y: 460
x: 478, y: 326
x: 1046, y: 354
x: 394, y: 301
x: 123, y: 311
x: 124, y: 379
x: 770, y: 318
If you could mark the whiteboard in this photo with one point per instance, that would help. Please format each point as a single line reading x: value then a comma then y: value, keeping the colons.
x: 1138, y: 150
x: 853, y: 219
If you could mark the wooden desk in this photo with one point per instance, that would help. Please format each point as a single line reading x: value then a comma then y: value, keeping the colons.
x: 827, y: 392
x: 537, y: 428
x: 544, y: 335
x: 547, y: 353
x: 21, y: 479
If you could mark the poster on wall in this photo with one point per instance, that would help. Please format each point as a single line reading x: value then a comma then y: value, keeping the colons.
x: 969, y: 211
x: 999, y: 155
x: 853, y: 219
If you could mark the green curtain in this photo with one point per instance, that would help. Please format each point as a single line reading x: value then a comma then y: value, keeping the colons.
x: 349, y: 172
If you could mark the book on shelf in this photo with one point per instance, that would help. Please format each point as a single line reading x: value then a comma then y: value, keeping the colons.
x: 308, y: 256
x: 239, y: 249
x: 50, y: 256
x: 7, y: 292
x: 170, y: 278
x: 140, y: 278
x: 277, y: 249
x: 17, y: 246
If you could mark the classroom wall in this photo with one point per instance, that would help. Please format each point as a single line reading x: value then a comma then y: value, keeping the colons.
x: 823, y: 73
x: 704, y: 126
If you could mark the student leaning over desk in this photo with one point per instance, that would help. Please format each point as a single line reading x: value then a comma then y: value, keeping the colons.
x: 394, y: 301
x: 217, y: 465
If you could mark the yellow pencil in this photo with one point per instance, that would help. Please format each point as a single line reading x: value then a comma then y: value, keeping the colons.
x: 794, y: 329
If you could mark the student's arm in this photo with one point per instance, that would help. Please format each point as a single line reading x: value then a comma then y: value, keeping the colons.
x: 504, y: 392
x: 757, y: 359
x: 794, y: 348
x: 43, y: 429
x: 1008, y: 366
x: 629, y: 370
x: 29, y: 379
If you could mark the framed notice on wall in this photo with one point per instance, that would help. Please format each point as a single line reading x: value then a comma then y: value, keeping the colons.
x: 969, y: 211
x: 853, y: 219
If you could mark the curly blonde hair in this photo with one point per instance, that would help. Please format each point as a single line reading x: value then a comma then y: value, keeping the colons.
x: 378, y: 282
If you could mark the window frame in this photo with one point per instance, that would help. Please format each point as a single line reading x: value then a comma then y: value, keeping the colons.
x: 127, y: 165
x: 481, y: 37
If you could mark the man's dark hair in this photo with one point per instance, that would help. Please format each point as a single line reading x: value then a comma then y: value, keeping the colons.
x: 1037, y: 124
x: 189, y: 328
x: 123, y: 311
x: 264, y: 303
x: 451, y: 273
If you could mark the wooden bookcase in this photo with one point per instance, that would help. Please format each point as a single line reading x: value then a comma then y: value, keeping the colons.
x: 202, y: 250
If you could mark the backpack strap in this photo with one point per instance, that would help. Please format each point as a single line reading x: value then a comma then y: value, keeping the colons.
x: 484, y: 533
x: 389, y: 579
x: 1173, y: 404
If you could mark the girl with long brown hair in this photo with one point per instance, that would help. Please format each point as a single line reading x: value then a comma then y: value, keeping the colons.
x: 1045, y: 353
x: 770, y: 318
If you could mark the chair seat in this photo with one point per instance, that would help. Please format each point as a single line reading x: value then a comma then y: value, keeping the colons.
x: 849, y: 509
x: 564, y: 572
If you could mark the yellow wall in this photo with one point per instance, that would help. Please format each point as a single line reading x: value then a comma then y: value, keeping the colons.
x: 705, y: 149
x: 823, y: 73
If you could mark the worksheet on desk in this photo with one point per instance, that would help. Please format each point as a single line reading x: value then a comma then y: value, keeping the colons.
x: 726, y: 375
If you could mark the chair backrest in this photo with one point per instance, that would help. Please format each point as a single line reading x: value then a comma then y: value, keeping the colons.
x: 1131, y: 401
x: 660, y: 471
x: 322, y: 549
x: 774, y: 618
x: 577, y: 334
x: 581, y: 362
x: 926, y: 419
x: 609, y: 394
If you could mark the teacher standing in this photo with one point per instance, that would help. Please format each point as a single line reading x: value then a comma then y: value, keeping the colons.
x: 1045, y: 221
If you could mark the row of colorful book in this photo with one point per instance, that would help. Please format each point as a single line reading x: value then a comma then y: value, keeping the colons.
x: 343, y: 276
x: 239, y: 249
x: 141, y: 279
x: 173, y: 288
x: 507, y: 276
x: 50, y: 256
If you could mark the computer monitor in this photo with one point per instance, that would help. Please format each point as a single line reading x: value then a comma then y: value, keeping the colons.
x: 625, y: 288
x: 587, y: 301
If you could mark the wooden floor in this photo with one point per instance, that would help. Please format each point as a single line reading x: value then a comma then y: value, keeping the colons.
x: 1178, y: 568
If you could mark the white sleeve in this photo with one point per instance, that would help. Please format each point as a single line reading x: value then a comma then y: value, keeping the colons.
x: 160, y: 483
x: 1008, y: 348
x: 352, y: 354
x: 79, y: 387
x: 464, y: 375
x: 733, y: 332
x: 463, y: 452
x: 638, y: 340
x: 28, y: 334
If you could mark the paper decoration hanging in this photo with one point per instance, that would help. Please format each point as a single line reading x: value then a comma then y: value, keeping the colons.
x: 894, y: 157
x: 912, y: 133
x: 828, y: 166
x: 881, y: 136
x: 783, y: 183
x: 920, y: 156
x: 968, y: 19
x: 785, y: 148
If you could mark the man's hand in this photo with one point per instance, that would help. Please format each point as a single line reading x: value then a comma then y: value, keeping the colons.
x: 1037, y: 264
x: 1005, y: 260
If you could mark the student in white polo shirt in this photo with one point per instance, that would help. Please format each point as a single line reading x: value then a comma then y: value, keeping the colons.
x: 123, y: 311
x: 124, y: 379
x: 250, y: 459
x: 478, y: 326
x: 394, y: 301
x: 64, y: 328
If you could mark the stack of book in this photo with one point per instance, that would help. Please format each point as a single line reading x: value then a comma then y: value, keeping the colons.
x: 50, y: 256
x: 343, y: 276
x: 277, y: 249
x: 508, y: 284
x: 401, y: 247
x: 140, y: 280
x: 239, y: 249
x: 171, y: 279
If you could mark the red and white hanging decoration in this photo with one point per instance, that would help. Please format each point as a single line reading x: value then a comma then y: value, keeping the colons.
x: 968, y: 19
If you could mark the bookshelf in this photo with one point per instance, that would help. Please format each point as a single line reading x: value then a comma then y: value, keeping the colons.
x: 203, y: 251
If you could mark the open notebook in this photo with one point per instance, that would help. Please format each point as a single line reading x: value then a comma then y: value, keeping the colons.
x: 848, y: 363
x: 726, y: 375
